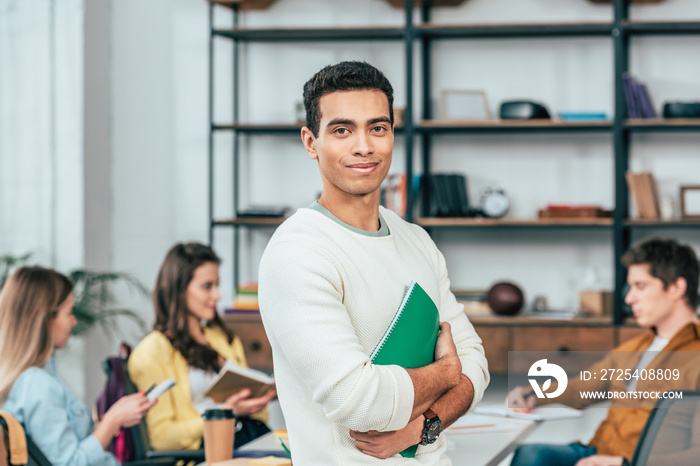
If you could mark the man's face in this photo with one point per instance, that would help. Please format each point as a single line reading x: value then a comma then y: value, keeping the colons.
x: 354, y: 143
x: 651, y: 304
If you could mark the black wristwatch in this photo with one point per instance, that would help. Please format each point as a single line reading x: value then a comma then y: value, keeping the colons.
x: 431, y: 427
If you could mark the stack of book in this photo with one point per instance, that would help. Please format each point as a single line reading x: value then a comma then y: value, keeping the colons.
x: 642, y: 187
x: 447, y: 193
x: 246, y: 300
x: 568, y: 211
x: 638, y: 100
x: 393, y: 193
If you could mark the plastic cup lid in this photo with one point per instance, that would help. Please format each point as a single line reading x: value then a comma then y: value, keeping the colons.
x: 213, y: 414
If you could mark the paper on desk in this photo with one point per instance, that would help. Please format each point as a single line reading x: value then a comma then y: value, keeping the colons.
x: 539, y: 413
x: 475, y: 423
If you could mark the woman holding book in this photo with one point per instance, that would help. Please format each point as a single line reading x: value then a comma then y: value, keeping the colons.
x: 36, y: 317
x: 190, y: 343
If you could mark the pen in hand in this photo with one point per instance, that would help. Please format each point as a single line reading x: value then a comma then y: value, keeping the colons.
x: 515, y: 402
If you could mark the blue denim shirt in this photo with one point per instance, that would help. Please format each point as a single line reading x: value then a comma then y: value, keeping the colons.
x: 58, y: 422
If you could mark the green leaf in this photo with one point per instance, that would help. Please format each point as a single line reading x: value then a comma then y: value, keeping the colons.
x: 95, y: 303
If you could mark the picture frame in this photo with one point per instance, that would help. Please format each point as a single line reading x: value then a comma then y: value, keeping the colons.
x: 464, y: 105
x: 690, y: 202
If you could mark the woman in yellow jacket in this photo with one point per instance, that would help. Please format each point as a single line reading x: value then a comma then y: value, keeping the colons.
x: 190, y: 344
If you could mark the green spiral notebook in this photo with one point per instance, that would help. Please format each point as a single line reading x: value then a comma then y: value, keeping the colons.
x: 410, y: 339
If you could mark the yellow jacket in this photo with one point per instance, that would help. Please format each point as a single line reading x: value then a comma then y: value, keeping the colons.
x: 173, y: 423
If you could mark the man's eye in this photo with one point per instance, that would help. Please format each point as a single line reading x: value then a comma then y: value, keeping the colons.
x: 379, y: 129
x: 342, y: 131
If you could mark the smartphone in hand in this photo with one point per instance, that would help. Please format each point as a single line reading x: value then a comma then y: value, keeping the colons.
x: 164, y: 386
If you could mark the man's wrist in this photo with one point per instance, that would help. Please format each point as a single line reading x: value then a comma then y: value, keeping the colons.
x: 451, y: 370
x: 432, y: 427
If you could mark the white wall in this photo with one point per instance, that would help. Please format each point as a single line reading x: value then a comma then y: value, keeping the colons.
x: 41, y: 131
x: 41, y: 165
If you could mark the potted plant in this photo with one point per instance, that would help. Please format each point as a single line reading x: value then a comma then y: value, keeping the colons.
x: 95, y: 303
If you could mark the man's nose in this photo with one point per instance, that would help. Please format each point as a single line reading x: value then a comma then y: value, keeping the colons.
x: 363, y: 145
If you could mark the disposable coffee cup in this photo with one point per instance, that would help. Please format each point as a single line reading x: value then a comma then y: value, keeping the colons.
x: 219, y: 431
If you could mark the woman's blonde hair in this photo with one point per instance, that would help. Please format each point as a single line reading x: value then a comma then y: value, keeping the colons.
x: 28, y: 301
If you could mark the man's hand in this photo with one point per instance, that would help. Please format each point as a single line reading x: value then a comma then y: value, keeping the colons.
x: 385, y: 444
x: 600, y: 460
x: 446, y: 351
x: 520, y: 400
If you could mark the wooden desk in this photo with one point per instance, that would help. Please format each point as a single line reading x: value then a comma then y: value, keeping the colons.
x: 488, y: 448
x: 475, y: 449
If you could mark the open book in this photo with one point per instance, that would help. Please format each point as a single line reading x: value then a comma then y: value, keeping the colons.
x: 538, y: 413
x: 234, y: 379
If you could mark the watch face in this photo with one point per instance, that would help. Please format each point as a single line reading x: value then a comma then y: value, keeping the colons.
x: 495, y: 204
x: 434, y: 430
x: 431, y: 430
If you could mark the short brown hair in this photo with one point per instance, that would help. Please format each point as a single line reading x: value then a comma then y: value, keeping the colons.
x: 343, y: 76
x: 668, y: 261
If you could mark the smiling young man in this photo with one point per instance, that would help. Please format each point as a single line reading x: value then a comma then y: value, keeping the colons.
x: 663, y: 293
x: 330, y: 281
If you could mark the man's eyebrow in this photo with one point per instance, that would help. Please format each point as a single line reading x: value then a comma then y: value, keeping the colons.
x: 341, y: 121
x: 374, y: 121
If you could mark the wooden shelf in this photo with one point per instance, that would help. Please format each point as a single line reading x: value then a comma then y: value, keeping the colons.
x: 511, y: 30
x: 267, y: 128
x: 512, y: 223
x: 243, y: 4
x: 661, y: 27
x: 311, y: 34
x: 663, y: 124
x: 523, y: 320
x: 542, y: 125
x: 251, y: 221
x: 274, y: 128
x: 646, y: 223
x: 253, y: 317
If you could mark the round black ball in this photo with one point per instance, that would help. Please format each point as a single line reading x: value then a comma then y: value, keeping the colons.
x: 505, y: 298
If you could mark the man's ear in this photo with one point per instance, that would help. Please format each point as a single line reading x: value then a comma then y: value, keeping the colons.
x: 679, y: 287
x: 309, y: 141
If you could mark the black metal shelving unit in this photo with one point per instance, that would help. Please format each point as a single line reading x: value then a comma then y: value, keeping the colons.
x: 240, y: 35
x: 424, y: 33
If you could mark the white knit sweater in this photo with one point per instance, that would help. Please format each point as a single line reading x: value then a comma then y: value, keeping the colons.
x: 327, y: 294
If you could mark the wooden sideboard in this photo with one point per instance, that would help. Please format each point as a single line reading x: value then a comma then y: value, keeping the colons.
x: 250, y: 330
x: 503, y: 334
x: 499, y: 335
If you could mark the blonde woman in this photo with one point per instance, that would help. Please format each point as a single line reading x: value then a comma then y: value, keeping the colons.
x: 36, y: 317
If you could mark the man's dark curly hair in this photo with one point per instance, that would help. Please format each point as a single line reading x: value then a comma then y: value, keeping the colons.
x: 668, y: 261
x: 344, y: 76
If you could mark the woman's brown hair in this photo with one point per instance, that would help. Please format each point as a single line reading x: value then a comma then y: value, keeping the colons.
x: 170, y: 303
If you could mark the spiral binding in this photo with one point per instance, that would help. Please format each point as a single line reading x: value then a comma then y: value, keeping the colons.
x: 407, y: 295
